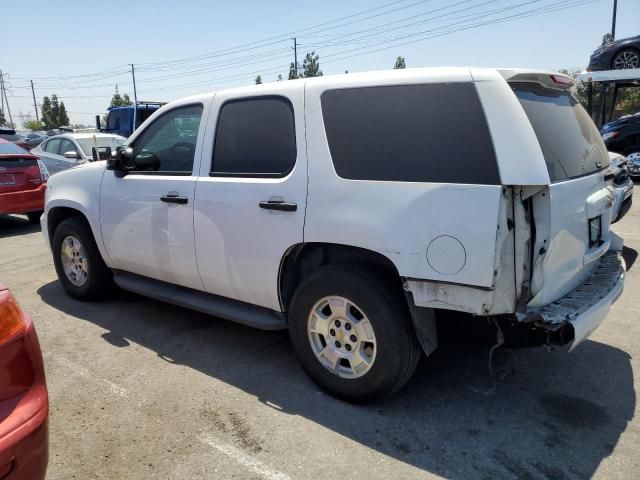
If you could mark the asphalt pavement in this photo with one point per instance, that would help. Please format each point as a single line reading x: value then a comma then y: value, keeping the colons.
x: 144, y: 390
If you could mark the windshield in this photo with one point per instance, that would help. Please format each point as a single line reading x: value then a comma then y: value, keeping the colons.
x: 12, y: 149
x: 86, y: 144
x: 570, y: 141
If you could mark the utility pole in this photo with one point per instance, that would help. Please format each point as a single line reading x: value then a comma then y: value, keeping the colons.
x: 613, y: 20
x: 4, y: 92
x: 135, y: 98
x: 295, y: 54
x: 35, y: 105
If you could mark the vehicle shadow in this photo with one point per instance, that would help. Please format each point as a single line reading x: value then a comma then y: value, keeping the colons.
x: 12, y: 225
x: 629, y: 255
x: 555, y: 416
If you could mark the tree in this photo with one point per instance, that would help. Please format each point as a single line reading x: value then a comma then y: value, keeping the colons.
x: 311, y: 66
x: 258, y: 80
x: 55, y: 111
x: 47, y: 115
x: 606, y: 38
x: 293, y: 74
x: 120, y: 101
x: 63, y: 118
x: 31, y: 124
x: 279, y: 77
x: 400, y: 63
x: 2, y: 119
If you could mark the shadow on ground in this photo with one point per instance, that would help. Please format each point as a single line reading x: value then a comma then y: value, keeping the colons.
x: 557, y: 416
x: 11, y: 225
x: 629, y: 255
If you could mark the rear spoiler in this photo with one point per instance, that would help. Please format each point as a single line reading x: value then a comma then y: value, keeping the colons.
x: 548, y: 79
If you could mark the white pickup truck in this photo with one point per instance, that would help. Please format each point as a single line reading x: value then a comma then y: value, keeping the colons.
x: 351, y: 209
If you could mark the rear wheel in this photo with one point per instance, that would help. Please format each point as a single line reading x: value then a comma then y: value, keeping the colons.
x: 34, y: 217
x: 352, y: 333
x: 79, y: 265
x: 627, y: 58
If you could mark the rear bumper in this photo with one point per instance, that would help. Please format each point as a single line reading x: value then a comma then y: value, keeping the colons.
x: 23, y: 201
x: 583, y: 309
x: 24, y: 439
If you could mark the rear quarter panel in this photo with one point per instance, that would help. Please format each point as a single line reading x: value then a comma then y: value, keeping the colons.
x: 400, y: 219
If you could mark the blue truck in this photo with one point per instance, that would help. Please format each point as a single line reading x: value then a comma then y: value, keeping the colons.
x: 120, y: 119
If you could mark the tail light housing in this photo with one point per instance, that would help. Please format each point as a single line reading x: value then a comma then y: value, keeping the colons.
x: 44, y: 172
x: 12, y: 321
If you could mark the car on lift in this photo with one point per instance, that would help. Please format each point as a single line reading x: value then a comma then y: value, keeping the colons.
x: 619, y: 55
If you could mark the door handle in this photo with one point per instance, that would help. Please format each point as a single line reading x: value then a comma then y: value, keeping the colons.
x: 279, y: 205
x: 174, y: 198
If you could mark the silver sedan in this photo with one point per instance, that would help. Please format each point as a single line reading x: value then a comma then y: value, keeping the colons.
x: 61, y: 152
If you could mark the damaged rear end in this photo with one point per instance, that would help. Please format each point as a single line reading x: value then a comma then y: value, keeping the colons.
x: 568, y: 267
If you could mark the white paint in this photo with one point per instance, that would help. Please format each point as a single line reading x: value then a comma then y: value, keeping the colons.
x: 243, y: 458
x: 85, y: 373
x: 446, y: 255
x: 239, y: 245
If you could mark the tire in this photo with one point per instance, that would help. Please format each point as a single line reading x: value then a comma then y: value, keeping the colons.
x: 96, y: 281
x: 626, y: 58
x: 394, y: 353
x: 34, y: 217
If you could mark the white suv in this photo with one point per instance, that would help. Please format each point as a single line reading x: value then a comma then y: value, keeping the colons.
x: 352, y: 209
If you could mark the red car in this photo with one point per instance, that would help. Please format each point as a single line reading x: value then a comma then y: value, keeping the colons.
x: 22, y: 182
x: 24, y: 402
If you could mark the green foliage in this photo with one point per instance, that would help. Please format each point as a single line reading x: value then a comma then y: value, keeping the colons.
x: 258, y: 80
x: 606, y: 38
x: 45, y: 113
x: 279, y: 77
x: 311, y: 66
x: 120, y: 101
x: 400, y: 63
x: 32, y: 125
x: 54, y: 113
x: 293, y: 74
x: 2, y: 119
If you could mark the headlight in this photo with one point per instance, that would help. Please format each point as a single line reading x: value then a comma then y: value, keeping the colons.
x: 609, y: 135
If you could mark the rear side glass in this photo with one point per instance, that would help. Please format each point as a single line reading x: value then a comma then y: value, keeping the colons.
x: 410, y: 133
x: 255, y: 137
x: 571, y: 144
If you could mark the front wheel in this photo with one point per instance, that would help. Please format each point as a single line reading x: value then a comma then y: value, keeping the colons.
x: 352, y: 333
x: 79, y: 265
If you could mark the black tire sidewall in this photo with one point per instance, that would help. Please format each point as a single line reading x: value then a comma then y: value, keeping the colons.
x: 387, y: 317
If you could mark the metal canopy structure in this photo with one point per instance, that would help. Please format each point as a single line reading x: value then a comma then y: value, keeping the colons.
x: 609, y: 81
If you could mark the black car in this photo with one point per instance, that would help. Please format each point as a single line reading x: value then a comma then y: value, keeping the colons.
x: 623, y: 136
x: 617, y: 55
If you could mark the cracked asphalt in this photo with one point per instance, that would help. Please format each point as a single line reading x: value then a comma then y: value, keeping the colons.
x: 145, y: 390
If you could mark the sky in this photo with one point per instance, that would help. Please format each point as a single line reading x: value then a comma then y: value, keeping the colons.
x: 81, y: 49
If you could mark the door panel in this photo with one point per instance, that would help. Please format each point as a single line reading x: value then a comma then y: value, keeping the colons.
x: 239, y: 243
x: 146, y: 217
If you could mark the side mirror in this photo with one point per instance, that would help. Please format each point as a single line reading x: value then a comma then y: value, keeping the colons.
x: 72, y: 154
x: 121, y: 160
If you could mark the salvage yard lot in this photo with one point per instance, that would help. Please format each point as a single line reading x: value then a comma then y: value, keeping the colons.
x: 140, y: 389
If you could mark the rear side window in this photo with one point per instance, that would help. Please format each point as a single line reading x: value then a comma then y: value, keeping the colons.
x: 255, y: 138
x: 571, y: 144
x: 410, y: 133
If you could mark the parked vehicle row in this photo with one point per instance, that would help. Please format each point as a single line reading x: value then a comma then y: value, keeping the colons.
x: 294, y: 205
